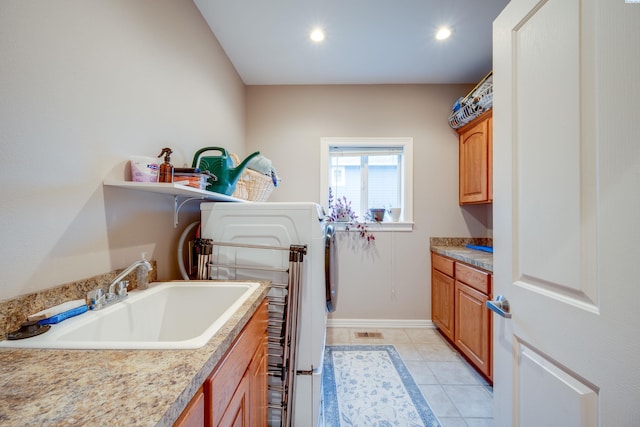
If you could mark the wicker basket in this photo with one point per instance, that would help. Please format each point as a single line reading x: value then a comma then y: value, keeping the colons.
x: 479, y: 100
x: 259, y: 186
x: 252, y: 185
x: 241, y: 190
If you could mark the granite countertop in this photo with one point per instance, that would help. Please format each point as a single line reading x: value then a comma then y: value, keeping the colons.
x: 456, y: 248
x: 110, y: 387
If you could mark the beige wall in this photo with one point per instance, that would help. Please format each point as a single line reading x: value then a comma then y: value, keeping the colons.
x: 84, y: 85
x: 286, y: 123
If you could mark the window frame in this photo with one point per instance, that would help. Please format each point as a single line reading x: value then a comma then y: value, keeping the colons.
x: 407, y: 173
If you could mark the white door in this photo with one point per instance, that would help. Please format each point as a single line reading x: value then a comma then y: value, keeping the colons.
x: 567, y: 213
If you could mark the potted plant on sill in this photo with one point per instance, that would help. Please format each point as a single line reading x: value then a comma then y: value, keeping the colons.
x: 340, y: 211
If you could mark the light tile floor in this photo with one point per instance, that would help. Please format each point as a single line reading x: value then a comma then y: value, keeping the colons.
x: 457, y: 394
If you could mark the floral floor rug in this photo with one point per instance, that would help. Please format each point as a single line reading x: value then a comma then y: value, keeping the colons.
x: 369, y: 386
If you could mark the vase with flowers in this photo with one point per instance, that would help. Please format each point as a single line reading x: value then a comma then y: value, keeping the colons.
x: 340, y: 210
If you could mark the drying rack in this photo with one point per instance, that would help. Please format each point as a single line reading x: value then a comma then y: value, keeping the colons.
x: 240, y: 262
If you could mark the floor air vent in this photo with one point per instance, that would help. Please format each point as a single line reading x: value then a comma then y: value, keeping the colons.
x: 376, y: 335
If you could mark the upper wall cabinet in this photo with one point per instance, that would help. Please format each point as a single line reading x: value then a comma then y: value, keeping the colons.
x: 476, y: 160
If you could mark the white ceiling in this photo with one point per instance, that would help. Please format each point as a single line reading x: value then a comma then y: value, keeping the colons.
x: 368, y: 41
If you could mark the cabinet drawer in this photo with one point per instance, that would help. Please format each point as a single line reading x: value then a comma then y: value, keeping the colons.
x: 442, y: 264
x: 477, y: 279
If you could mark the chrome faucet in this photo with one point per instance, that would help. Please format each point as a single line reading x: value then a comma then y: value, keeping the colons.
x: 143, y: 274
x: 117, y: 289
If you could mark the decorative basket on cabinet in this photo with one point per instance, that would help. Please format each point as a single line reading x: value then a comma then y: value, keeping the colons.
x: 479, y: 100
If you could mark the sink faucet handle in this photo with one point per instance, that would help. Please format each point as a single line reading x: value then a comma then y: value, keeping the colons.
x: 96, y: 298
x: 122, y: 288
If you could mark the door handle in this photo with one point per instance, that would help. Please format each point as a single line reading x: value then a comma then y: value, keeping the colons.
x: 500, y: 306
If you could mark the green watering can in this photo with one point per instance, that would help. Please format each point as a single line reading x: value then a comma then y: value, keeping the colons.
x: 222, y: 166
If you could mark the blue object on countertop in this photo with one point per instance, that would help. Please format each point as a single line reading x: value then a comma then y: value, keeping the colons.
x: 481, y: 248
x: 63, y: 316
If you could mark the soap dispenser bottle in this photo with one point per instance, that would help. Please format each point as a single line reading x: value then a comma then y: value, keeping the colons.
x: 166, y: 169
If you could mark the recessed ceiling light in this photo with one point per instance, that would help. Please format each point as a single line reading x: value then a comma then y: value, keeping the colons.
x: 443, y: 33
x: 317, y: 35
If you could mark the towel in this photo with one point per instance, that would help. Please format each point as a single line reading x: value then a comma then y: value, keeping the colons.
x: 264, y: 166
x: 64, y: 315
x: 60, y: 308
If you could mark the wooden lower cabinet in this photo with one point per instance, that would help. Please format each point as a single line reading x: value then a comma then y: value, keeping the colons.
x: 193, y: 415
x: 237, y: 413
x: 442, y: 294
x: 473, y: 327
x: 458, y: 309
x: 248, y: 405
x: 235, y: 393
x: 259, y: 385
x: 442, y: 297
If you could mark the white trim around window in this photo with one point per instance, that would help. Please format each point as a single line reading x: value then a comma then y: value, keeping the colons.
x: 407, y: 145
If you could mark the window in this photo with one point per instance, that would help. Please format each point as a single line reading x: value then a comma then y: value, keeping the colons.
x: 371, y: 172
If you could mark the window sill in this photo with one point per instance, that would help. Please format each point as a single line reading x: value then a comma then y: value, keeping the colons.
x: 376, y: 227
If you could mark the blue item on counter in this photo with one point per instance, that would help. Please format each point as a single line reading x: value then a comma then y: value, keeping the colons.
x: 481, y: 248
x: 63, y: 316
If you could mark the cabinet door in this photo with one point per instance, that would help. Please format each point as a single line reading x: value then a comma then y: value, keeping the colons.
x: 234, y: 369
x: 490, y: 159
x: 474, y: 163
x: 258, y: 373
x: 473, y: 327
x: 442, y: 302
x: 238, y: 412
x: 193, y: 415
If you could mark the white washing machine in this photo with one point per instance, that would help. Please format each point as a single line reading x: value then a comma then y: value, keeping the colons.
x: 284, y: 224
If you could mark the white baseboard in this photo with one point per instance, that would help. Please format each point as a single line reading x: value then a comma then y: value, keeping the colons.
x: 379, y: 323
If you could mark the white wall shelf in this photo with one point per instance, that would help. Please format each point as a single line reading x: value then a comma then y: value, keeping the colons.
x: 175, y: 190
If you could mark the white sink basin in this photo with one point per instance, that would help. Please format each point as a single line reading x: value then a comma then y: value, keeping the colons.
x: 168, y: 315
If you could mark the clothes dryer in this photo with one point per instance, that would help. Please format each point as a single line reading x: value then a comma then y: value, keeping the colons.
x: 283, y: 224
